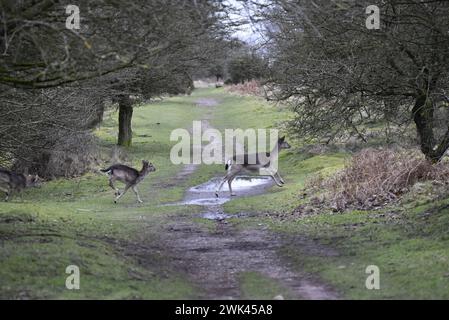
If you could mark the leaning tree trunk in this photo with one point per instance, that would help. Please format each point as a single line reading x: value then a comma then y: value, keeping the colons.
x: 423, y: 115
x: 124, y: 121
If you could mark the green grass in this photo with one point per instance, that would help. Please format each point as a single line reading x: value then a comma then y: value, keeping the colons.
x: 243, y: 112
x: 257, y: 286
x: 410, y: 246
x: 75, y: 222
x: 246, y: 112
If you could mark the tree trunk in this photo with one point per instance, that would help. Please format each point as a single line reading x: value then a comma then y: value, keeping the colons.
x: 124, y: 121
x: 423, y: 113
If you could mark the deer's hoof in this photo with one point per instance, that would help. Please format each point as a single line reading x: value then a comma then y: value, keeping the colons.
x: 216, y: 194
x: 233, y: 194
x: 139, y: 201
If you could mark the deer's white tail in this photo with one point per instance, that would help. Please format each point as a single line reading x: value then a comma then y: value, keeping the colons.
x: 107, y: 171
x: 228, y: 164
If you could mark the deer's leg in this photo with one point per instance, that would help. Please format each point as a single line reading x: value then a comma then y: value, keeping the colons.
x: 230, y: 183
x: 279, y: 177
x: 136, y: 192
x: 220, y: 185
x: 232, y: 172
x: 111, y: 184
x: 273, y: 176
x: 121, y: 195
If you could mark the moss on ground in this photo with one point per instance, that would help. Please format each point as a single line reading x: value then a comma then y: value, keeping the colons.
x: 75, y: 222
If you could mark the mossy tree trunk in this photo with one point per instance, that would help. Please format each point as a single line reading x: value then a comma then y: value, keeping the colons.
x: 423, y: 116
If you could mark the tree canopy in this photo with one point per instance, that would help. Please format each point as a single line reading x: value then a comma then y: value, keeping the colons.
x: 338, y: 74
x: 55, y: 82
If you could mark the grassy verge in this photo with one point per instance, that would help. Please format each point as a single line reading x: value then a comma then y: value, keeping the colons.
x: 254, y: 113
x: 407, y: 241
x: 256, y: 286
x: 74, y: 222
x: 409, y: 245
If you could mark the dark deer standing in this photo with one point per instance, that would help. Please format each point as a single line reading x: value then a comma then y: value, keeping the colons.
x: 129, y: 176
x: 12, y: 181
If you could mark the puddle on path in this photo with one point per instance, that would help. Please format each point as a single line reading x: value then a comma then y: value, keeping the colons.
x: 240, y: 183
x: 214, y: 260
x: 200, y: 253
x: 204, y: 194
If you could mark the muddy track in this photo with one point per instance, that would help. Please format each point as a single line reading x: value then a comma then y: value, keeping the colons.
x: 215, y: 259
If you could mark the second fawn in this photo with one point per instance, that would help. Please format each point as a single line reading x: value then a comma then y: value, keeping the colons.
x: 129, y: 176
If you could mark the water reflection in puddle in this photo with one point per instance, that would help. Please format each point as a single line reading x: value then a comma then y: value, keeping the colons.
x: 207, y: 201
x: 216, y: 216
x: 204, y: 194
x: 239, y: 183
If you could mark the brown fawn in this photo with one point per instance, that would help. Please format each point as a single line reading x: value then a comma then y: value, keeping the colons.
x: 129, y: 176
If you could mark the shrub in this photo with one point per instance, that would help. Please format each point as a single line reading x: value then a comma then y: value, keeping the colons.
x: 375, y: 177
x: 68, y: 157
x: 253, y: 88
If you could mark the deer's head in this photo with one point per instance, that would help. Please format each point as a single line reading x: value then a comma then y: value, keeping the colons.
x: 33, y: 180
x: 147, y: 167
x: 282, y: 144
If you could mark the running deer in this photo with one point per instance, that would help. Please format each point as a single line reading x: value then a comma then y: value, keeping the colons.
x: 129, y: 176
x: 233, y: 168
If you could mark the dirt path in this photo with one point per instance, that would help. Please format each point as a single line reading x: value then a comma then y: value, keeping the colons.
x: 215, y: 259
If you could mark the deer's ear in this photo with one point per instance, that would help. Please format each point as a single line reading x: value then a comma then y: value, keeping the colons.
x: 282, y: 138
